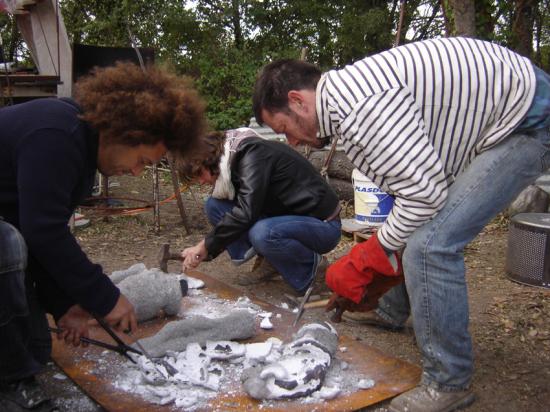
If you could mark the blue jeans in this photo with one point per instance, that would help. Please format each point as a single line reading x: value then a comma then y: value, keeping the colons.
x: 292, y: 244
x: 25, y: 342
x: 433, y: 259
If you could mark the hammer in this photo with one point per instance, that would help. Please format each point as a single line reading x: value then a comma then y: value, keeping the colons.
x: 165, y: 255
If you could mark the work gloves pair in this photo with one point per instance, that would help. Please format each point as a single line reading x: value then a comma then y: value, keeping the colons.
x: 360, y: 278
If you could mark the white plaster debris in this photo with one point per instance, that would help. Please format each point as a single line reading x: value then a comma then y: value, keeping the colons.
x: 343, y: 349
x: 365, y: 383
x: 244, y: 302
x: 258, y: 352
x: 211, y: 306
x: 214, y: 369
x: 59, y: 376
x: 327, y: 392
x: 266, y: 324
x: 192, y: 283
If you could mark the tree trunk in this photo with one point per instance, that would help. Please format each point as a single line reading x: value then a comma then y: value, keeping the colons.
x: 485, y: 20
x: 522, y: 27
x: 343, y: 188
x: 236, y: 22
x: 339, y: 171
x: 464, y: 17
x: 340, y: 167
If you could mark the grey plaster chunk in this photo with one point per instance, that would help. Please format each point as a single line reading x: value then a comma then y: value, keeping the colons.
x: 532, y: 199
x: 300, y: 370
x: 176, y: 335
x: 319, y: 334
x: 151, y: 293
x: 119, y: 275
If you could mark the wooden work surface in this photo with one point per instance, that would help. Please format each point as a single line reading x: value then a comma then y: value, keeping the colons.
x: 94, y: 369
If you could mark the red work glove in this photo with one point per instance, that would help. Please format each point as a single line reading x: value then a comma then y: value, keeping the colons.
x: 374, y: 291
x: 350, y: 274
x: 361, y: 277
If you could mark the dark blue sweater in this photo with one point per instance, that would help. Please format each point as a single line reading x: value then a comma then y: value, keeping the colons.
x: 48, y: 159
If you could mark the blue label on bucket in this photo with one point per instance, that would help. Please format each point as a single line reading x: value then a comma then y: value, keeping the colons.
x: 382, y: 210
x: 372, y: 204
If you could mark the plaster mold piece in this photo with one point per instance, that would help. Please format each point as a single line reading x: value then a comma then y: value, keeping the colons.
x: 151, y: 293
x: 300, y: 370
x: 258, y: 352
x: 175, y: 335
x: 225, y: 350
x: 119, y: 275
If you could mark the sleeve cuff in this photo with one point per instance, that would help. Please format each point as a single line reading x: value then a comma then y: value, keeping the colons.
x: 103, y: 298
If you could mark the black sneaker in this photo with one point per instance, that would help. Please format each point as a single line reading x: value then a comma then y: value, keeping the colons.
x: 25, y: 395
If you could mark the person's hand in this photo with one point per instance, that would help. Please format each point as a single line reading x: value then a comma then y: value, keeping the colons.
x: 122, y: 316
x: 379, y: 285
x: 193, y: 256
x: 340, y: 304
x: 74, y: 325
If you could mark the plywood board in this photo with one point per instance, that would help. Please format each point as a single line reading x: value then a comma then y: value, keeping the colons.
x: 92, y: 368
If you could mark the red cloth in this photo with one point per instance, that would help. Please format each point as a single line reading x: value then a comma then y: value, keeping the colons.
x: 350, y: 275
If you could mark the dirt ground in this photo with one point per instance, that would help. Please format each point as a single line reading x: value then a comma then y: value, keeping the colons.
x: 509, y: 322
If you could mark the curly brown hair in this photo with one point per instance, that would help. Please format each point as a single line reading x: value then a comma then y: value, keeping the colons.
x: 207, y: 155
x: 129, y: 106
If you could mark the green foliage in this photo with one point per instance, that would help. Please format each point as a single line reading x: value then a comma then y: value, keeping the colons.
x: 13, y: 48
x: 223, y: 43
x: 363, y: 34
x: 225, y: 78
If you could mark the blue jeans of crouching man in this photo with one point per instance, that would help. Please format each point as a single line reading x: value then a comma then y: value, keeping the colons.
x: 22, y: 352
x: 292, y: 244
x: 433, y: 259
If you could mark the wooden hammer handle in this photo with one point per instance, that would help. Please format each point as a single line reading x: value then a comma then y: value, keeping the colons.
x: 317, y: 304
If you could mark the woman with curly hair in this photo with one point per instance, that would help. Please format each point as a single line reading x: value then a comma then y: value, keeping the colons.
x: 123, y: 119
x: 267, y: 200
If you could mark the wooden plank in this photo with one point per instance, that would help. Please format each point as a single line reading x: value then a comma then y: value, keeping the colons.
x: 92, y: 368
x: 45, y: 35
x: 28, y: 79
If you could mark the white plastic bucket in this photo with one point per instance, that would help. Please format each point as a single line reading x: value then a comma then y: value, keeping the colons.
x: 372, y: 205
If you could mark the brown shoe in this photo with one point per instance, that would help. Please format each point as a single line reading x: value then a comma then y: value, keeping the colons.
x: 262, y: 271
x: 371, y: 318
x: 426, y: 399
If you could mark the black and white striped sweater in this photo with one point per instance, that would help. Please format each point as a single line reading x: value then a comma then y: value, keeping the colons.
x: 412, y: 118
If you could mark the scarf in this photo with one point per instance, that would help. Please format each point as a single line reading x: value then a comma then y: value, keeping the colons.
x: 223, y: 188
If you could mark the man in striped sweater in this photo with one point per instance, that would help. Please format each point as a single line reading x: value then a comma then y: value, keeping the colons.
x: 453, y: 128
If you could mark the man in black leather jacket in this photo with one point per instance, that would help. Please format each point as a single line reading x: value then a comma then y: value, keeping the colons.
x: 267, y: 200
